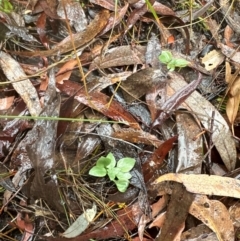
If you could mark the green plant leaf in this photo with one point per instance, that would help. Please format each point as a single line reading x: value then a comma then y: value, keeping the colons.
x: 112, y: 172
x: 98, y: 171
x: 122, y: 185
x: 171, y: 65
x: 113, y: 161
x: 181, y: 63
x: 6, y: 6
x: 103, y: 161
x: 126, y: 164
x: 165, y: 57
x: 123, y: 175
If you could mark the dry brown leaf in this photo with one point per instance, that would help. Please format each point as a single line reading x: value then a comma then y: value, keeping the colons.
x: 230, y: 53
x: 215, y: 215
x: 176, y: 215
x: 190, y: 154
x: 204, y: 184
x: 137, y: 136
x: 24, y: 88
x: 228, y: 33
x: 114, y: 19
x: 212, y: 60
x: 108, y: 4
x: 159, y: 205
x: 159, y: 220
x: 199, y: 233
x: 140, y: 83
x: 81, y: 39
x: 228, y: 71
x: 235, y: 88
x: 235, y: 214
x: 203, y: 109
x: 120, y: 56
x: 232, y: 108
x: 66, y: 70
x: 6, y: 102
x: 234, y: 93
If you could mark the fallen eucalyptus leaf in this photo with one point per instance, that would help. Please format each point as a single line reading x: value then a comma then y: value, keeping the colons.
x: 204, y: 184
x: 24, y: 88
x: 203, y: 109
x: 81, y: 223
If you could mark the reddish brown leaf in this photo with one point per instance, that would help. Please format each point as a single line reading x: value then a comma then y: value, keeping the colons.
x: 49, y: 7
x: 158, y: 89
x: 115, y: 111
x: 25, y: 224
x: 116, y: 228
x: 228, y: 33
x: 115, y: 18
x: 177, y: 212
x: 137, y: 136
x: 41, y: 24
x: 66, y: 70
x: 154, y: 163
x: 6, y: 102
x: 99, y: 102
x: 135, y: 16
x: 108, y: 4
x: 175, y: 100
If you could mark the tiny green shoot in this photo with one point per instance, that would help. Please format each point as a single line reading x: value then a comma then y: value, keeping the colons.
x: 118, y: 172
x: 6, y: 6
x: 166, y: 58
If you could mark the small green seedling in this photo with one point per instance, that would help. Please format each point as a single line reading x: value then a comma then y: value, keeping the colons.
x: 166, y: 58
x: 118, y: 174
x: 6, y: 6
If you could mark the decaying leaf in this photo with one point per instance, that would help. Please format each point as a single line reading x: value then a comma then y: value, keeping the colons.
x: 81, y: 39
x: 204, y: 184
x: 232, y: 107
x: 154, y: 163
x: 234, y: 93
x: 74, y: 13
x: 190, y: 148
x: 175, y: 101
x: 215, y: 215
x: 6, y: 102
x: 81, y: 223
x: 200, y: 233
x: 213, y: 59
x: 230, y: 53
x: 120, y: 56
x: 66, y: 70
x: 137, y: 136
x: 234, y: 212
x: 40, y: 145
x: 203, y: 109
x: 176, y: 215
x: 24, y: 88
x: 100, y: 102
x: 138, y: 84
x: 115, y: 18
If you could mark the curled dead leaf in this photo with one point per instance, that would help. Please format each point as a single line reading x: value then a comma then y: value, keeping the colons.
x: 204, y: 184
